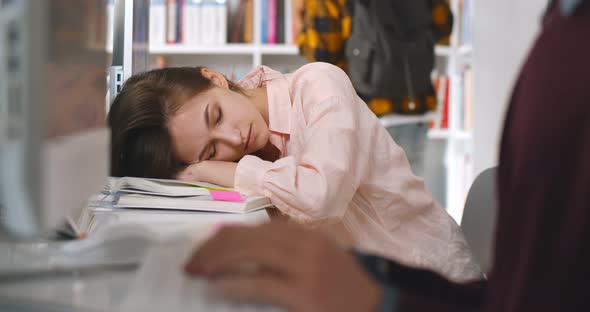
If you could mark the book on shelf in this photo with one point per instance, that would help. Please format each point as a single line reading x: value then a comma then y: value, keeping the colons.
x: 158, y: 22
x: 191, y: 23
x: 289, y: 18
x: 213, y: 15
x: 467, y: 99
x: 281, y: 22
x: 213, y: 22
x: 271, y: 34
x: 129, y: 192
x: 274, y: 22
x: 236, y: 15
x: 264, y: 21
x: 445, y: 90
x: 248, y: 21
x: 464, y: 107
x: 442, y: 88
x: 172, y: 19
x: 464, y: 22
x: 221, y: 22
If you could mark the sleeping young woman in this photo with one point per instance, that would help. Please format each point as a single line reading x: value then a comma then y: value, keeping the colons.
x: 305, y: 140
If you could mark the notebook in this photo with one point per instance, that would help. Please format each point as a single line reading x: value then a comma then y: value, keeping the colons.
x: 196, y: 203
x: 100, y: 213
x: 160, y: 187
x: 129, y: 192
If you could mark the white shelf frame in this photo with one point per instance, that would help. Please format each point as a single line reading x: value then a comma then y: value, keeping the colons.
x: 459, y: 143
x: 248, y: 49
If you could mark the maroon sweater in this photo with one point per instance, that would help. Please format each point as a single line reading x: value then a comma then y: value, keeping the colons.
x: 542, y: 251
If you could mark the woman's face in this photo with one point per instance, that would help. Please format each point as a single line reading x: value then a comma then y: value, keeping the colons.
x: 218, y: 124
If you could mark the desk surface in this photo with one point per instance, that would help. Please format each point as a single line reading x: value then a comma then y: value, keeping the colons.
x: 104, y: 289
x: 97, y: 290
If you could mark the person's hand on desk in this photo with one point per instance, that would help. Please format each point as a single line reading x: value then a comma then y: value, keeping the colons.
x: 211, y: 171
x: 286, y: 266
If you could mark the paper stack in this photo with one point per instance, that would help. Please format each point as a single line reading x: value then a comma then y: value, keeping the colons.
x: 170, y: 204
x: 129, y: 192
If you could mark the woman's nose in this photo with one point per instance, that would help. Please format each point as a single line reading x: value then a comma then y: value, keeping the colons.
x: 231, y: 137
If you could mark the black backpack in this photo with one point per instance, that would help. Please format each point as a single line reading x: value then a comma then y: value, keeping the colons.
x: 390, y: 51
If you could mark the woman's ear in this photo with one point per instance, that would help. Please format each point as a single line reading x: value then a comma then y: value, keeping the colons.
x: 216, y: 78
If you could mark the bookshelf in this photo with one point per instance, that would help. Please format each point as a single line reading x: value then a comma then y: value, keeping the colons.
x: 235, y: 59
x: 458, y: 159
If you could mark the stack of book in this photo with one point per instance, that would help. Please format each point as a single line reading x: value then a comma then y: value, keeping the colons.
x: 160, y: 200
x: 130, y: 192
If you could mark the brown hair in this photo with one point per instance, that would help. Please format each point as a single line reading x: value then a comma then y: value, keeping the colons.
x: 141, y: 145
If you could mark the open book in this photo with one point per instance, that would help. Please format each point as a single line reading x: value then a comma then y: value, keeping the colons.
x: 160, y: 187
x: 181, y: 195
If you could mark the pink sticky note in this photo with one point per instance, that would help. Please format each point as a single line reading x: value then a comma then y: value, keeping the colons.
x: 226, y: 196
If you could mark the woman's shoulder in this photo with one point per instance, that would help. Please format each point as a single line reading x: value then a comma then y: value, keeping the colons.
x: 322, y: 78
x: 321, y: 70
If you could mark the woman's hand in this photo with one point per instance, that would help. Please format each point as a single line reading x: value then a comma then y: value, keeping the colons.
x: 284, y: 265
x: 211, y: 171
x: 189, y: 173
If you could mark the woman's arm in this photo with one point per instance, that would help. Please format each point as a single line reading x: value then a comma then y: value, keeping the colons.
x: 320, y: 181
x: 211, y: 171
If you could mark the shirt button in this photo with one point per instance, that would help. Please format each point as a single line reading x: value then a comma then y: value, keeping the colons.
x: 356, y: 52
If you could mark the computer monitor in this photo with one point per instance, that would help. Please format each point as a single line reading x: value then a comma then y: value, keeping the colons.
x: 54, y: 142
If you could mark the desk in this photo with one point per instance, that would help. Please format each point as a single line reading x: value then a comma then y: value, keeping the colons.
x: 76, y: 291
x: 104, y: 289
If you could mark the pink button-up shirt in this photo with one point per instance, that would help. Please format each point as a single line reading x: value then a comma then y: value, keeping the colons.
x: 338, y: 162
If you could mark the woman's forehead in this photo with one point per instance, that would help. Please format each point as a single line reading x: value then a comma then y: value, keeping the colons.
x: 187, y: 129
x: 196, y: 102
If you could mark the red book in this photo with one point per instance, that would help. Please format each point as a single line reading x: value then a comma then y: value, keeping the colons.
x: 444, y: 123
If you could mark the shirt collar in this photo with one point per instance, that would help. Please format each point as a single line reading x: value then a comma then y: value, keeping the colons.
x: 278, y: 94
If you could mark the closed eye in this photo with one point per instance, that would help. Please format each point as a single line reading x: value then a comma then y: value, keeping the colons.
x: 213, y: 151
x: 217, y: 122
x: 219, y: 114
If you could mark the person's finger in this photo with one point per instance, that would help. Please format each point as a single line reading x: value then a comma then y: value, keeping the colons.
x: 261, y: 288
x: 228, y: 236
x: 263, y: 258
x: 235, y: 245
x: 230, y: 258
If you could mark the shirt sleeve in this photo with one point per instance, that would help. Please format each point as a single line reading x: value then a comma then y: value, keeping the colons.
x: 321, y: 181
